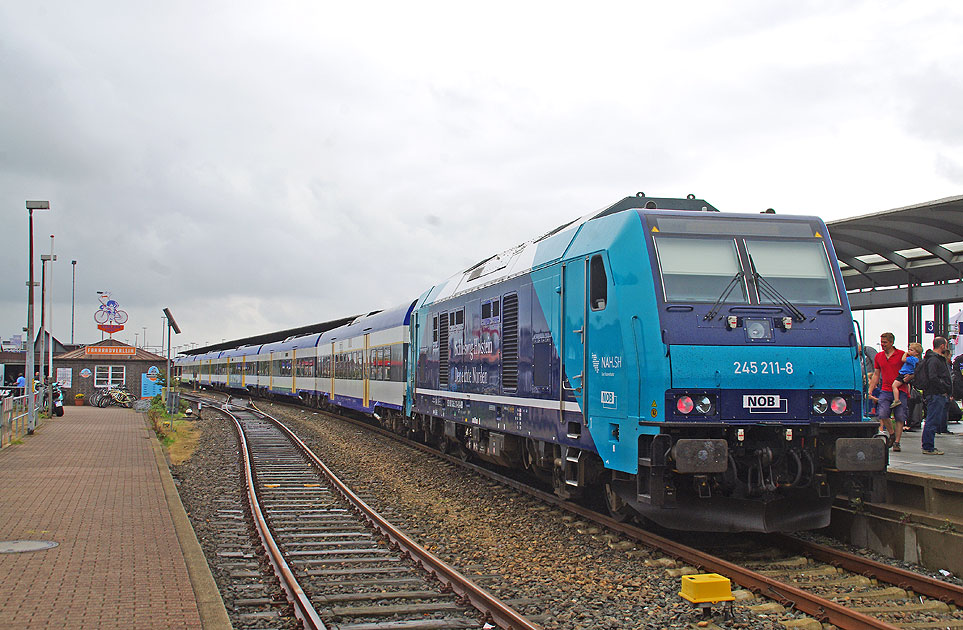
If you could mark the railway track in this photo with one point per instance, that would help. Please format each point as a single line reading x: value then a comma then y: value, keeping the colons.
x: 832, y: 586
x: 342, y: 565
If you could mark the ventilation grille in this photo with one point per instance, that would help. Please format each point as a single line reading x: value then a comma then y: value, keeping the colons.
x: 510, y: 343
x: 443, y: 350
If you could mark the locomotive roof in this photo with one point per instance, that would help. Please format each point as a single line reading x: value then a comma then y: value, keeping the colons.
x: 522, y: 258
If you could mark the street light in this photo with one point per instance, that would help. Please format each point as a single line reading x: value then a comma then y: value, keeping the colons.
x: 47, y: 323
x: 73, y: 293
x: 171, y: 326
x: 31, y: 403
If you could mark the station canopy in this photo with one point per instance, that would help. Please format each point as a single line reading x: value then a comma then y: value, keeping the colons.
x: 903, y: 257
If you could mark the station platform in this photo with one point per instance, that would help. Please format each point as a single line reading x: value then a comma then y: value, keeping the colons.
x: 912, y: 460
x: 95, y: 483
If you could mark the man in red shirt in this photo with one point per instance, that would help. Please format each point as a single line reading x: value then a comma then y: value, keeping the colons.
x: 887, y: 364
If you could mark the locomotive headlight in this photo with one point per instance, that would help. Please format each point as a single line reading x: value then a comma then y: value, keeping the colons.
x: 684, y: 405
x: 705, y: 405
x: 758, y: 329
x: 838, y: 405
x: 820, y: 405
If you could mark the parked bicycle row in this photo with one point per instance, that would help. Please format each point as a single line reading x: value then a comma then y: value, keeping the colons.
x: 116, y: 395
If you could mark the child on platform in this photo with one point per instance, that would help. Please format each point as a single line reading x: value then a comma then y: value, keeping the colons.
x: 910, y: 359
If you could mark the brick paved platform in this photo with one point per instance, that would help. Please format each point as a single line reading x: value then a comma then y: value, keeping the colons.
x: 92, y: 482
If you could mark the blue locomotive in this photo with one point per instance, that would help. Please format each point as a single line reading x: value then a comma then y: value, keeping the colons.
x: 699, y: 369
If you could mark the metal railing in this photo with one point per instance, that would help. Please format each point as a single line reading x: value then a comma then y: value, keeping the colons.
x: 13, y: 417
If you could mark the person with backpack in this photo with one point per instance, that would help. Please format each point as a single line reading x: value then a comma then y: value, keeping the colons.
x: 955, y: 414
x: 932, y: 376
x: 952, y: 409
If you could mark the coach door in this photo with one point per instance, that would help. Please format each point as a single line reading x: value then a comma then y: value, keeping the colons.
x: 365, y: 371
x: 573, y: 336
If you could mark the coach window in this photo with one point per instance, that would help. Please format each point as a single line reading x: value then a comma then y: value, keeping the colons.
x: 599, y: 286
x: 434, y: 330
x: 495, y: 304
x: 486, y: 312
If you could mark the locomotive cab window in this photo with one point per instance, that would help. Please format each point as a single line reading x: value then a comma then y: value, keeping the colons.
x: 698, y: 269
x: 799, y: 270
x: 599, y: 284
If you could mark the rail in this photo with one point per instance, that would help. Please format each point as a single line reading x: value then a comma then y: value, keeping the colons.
x: 499, y: 614
x: 822, y: 609
x: 826, y: 611
x: 303, y: 608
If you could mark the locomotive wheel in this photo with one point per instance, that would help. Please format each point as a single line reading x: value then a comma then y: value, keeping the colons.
x: 558, y: 484
x: 617, y: 508
x: 455, y: 449
x: 529, y: 455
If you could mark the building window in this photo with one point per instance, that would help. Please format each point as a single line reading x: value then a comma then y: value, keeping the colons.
x: 109, y: 375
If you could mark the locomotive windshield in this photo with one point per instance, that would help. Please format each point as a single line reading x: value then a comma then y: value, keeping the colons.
x: 698, y: 269
x: 799, y: 270
x: 699, y: 264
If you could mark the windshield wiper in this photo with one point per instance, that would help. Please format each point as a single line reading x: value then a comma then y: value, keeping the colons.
x: 773, y: 294
x: 736, y: 279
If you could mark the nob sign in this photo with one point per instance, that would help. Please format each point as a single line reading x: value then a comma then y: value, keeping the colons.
x: 772, y: 403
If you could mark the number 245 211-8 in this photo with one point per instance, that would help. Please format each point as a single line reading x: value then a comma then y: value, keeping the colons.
x: 761, y: 367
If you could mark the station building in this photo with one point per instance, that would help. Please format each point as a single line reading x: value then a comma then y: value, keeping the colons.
x: 109, y: 363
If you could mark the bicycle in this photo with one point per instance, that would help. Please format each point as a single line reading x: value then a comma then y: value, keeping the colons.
x: 109, y: 311
x: 116, y: 396
x: 96, y: 397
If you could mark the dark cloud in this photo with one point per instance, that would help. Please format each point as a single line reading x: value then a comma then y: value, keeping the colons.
x: 257, y: 168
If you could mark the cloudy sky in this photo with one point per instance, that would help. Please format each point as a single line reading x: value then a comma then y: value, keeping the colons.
x: 260, y: 166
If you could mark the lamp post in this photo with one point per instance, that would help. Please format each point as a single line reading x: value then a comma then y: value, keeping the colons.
x: 49, y: 327
x: 73, y: 294
x: 171, y: 326
x: 31, y: 403
x: 100, y: 293
x: 43, y: 316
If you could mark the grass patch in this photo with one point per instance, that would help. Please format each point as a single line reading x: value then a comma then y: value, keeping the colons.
x: 177, y: 435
